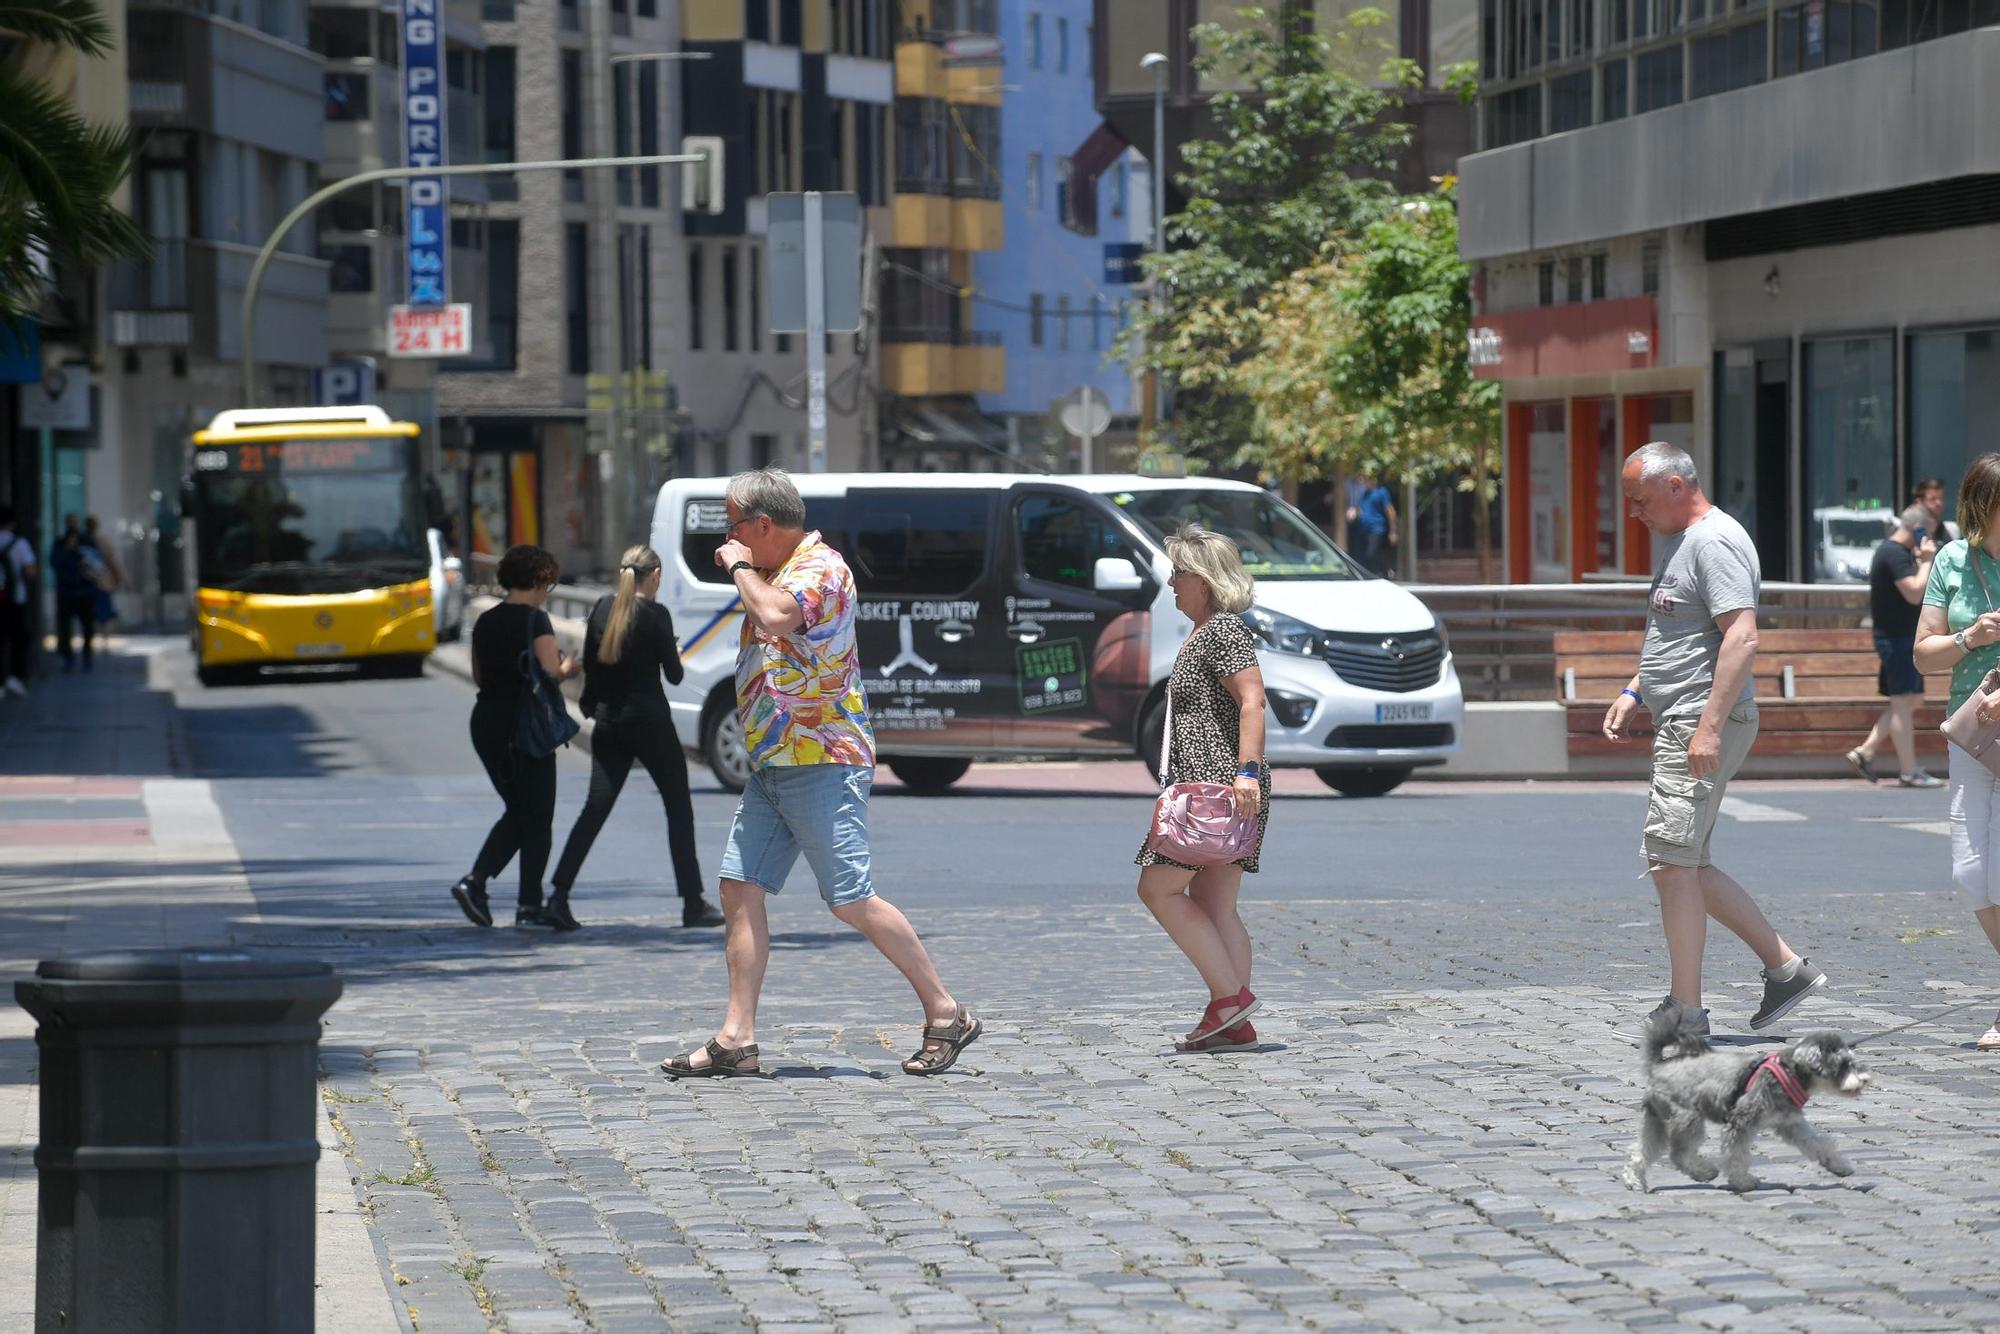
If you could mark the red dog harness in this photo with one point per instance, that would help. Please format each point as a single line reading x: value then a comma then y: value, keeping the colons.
x: 1787, y: 1081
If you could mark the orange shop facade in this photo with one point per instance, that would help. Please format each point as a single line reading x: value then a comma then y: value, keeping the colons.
x: 1582, y: 388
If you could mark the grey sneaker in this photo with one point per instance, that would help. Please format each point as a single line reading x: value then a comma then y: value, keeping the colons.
x: 1918, y: 778
x: 1781, y: 998
x: 1669, y: 1010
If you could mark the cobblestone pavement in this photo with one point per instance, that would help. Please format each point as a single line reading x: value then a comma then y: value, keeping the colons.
x: 1429, y: 1136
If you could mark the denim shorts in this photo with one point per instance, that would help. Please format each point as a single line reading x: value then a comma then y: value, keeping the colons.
x: 820, y: 810
x: 1898, y: 674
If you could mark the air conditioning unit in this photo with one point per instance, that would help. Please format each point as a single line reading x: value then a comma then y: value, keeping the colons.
x: 701, y: 182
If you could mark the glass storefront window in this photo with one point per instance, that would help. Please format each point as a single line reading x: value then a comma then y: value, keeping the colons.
x: 1850, y: 404
x: 1954, y: 403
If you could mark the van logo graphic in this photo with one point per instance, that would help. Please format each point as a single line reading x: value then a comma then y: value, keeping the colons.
x: 906, y: 639
x: 324, y: 620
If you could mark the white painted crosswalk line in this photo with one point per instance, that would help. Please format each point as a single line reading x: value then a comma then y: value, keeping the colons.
x: 1752, y: 812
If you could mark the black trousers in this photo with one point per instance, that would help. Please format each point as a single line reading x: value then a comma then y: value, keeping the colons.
x: 528, y: 787
x: 14, y: 657
x: 71, y: 611
x: 614, y: 744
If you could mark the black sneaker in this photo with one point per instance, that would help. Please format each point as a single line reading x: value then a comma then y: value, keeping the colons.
x: 471, y: 896
x: 700, y: 912
x: 558, y: 914
x: 1781, y: 998
x: 532, y: 914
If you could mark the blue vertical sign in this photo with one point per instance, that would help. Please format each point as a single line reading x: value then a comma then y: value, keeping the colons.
x: 426, y: 222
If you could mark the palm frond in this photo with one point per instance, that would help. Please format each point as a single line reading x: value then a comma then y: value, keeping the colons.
x: 73, y: 23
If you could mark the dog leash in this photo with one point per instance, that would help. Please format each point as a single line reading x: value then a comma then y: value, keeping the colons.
x: 1903, y: 1028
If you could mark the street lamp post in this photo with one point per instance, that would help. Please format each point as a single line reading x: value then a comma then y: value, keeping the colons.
x: 345, y: 183
x: 1157, y: 62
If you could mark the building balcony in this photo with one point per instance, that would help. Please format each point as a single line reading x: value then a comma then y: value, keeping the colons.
x: 1892, y: 121
x: 944, y: 222
x: 190, y: 294
x: 364, y: 126
x: 920, y: 363
x: 188, y: 72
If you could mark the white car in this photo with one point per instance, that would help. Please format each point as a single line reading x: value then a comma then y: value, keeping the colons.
x: 1844, y: 542
x: 447, y: 591
x: 1031, y: 618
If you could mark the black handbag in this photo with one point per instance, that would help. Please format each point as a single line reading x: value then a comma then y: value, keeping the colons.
x: 544, y: 725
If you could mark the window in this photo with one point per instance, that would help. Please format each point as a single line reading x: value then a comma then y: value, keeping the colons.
x: 501, y: 313
x: 1850, y: 423
x: 622, y: 130
x: 577, y: 295
x: 763, y: 450
x: 1569, y: 102
x: 1096, y: 322
x: 918, y: 542
x: 1599, y: 263
x: 1545, y: 282
x: 498, y: 132
x: 756, y: 275
x: 1614, y: 75
x: 497, y: 11
x: 1034, y: 43
x: 1062, y: 46
x: 1121, y: 180
x: 923, y: 163
x: 353, y: 267
x: 1659, y: 79
x: 729, y: 311
x: 1573, y: 286
x: 1513, y: 117
x: 974, y: 147
x: 1062, y: 322
x: 1649, y: 268
x: 1031, y: 196
x: 871, y: 127
x: 697, y: 317
x: 920, y: 300
x: 570, y: 18
x: 1062, y: 540
x: 572, y: 122
x: 1066, y: 195
x: 1950, y: 375
x: 1035, y: 319
x: 649, y: 132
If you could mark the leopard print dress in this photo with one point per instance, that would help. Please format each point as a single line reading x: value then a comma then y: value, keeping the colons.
x: 1206, y: 721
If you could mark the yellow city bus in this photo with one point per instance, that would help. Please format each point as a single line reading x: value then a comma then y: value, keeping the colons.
x: 309, y: 542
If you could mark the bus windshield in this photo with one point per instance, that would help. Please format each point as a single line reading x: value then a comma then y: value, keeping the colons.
x: 1277, y: 541
x: 320, y: 523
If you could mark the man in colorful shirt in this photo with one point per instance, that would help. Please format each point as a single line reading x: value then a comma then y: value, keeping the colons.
x: 812, y: 764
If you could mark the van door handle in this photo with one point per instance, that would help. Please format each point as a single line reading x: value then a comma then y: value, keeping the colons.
x: 1026, y: 632
x: 954, y: 632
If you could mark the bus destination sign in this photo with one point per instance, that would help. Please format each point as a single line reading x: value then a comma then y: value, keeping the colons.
x: 279, y: 456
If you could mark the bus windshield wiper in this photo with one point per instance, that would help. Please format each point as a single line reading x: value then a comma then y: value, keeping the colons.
x: 265, y: 568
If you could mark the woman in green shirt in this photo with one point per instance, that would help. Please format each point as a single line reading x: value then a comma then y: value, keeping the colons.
x: 1959, y: 631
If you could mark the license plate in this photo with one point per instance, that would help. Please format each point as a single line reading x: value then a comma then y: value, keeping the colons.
x: 319, y: 650
x: 1402, y: 713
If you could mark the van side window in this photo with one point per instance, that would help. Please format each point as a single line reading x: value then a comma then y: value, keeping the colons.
x: 918, y: 542
x: 1061, y: 540
x: 705, y: 520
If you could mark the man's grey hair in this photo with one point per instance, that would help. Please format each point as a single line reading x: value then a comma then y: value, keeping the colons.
x: 1660, y: 460
x: 769, y: 492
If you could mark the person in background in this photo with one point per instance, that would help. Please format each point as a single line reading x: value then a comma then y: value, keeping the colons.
x: 526, y: 784
x: 1373, y: 521
x: 74, y: 566
x: 628, y: 646
x: 1958, y: 631
x: 17, y: 586
x: 113, y: 578
x: 1929, y: 493
x: 1897, y: 577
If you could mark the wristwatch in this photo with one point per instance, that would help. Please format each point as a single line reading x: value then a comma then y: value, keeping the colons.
x: 740, y: 565
x: 1958, y: 638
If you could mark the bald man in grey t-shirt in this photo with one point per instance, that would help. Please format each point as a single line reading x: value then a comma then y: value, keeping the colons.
x: 1696, y: 675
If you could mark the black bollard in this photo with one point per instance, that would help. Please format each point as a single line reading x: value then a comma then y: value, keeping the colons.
x: 179, y: 1133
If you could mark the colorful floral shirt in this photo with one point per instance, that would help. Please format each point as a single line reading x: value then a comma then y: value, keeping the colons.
x: 799, y: 694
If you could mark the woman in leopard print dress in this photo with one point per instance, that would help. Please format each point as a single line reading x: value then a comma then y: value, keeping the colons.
x: 1216, y: 693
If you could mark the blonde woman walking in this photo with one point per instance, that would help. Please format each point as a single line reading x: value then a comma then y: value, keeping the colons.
x: 628, y: 647
x: 1216, y: 735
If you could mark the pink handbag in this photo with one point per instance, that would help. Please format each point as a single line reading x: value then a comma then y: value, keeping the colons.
x: 1196, y: 824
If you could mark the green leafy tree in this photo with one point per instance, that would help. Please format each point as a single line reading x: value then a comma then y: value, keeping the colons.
x: 1359, y: 362
x: 58, y: 172
x: 1297, y: 164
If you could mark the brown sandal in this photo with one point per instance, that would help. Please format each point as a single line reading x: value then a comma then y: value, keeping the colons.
x: 723, y: 1063
x: 953, y: 1038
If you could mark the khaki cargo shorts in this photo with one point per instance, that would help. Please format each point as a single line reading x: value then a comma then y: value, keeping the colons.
x: 1681, y: 812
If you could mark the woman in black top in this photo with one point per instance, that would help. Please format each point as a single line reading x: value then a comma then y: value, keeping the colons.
x: 528, y: 785
x: 627, y: 649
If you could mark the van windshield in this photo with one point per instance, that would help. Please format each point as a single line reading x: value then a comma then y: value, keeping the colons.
x: 1277, y: 541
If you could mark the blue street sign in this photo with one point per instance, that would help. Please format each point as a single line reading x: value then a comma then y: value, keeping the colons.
x: 427, y: 224
x: 1121, y: 262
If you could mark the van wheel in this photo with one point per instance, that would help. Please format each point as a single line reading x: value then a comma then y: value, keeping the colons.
x: 722, y: 746
x: 1362, y: 782
x: 924, y: 774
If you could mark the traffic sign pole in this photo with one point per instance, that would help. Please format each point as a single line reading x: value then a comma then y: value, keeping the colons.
x: 815, y: 333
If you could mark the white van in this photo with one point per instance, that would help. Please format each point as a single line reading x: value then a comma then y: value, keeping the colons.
x: 1008, y: 616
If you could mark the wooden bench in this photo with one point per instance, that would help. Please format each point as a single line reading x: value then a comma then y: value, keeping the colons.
x: 1816, y: 698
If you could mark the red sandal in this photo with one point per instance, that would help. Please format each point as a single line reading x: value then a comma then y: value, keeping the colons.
x: 1237, y: 1037
x: 1212, y: 1022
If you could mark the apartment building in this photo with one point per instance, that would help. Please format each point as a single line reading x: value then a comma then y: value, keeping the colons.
x: 1768, y: 234
x: 1053, y: 292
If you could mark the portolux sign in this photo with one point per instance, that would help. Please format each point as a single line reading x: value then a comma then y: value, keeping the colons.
x: 426, y: 221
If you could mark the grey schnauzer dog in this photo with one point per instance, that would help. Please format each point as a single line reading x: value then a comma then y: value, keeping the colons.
x: 1690, y: 1084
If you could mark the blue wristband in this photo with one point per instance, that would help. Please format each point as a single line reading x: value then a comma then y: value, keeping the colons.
x: 1250, y: 770
x: 1636, y: 698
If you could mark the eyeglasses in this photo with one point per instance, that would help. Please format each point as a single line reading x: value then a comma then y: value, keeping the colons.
x: 734, y: 524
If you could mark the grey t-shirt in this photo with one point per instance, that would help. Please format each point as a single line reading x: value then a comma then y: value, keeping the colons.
x: 1706, y: 570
